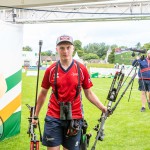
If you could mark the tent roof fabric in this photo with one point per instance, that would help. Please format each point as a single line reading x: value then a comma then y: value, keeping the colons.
x: 77, y: 58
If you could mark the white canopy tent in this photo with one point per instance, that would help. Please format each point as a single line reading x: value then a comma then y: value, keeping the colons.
x: 77, y: 58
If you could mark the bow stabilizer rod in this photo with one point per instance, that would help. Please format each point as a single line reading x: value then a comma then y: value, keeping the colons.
x: 34, y: 143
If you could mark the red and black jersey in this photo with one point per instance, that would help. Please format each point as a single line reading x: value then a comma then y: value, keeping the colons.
x: 67, y: 82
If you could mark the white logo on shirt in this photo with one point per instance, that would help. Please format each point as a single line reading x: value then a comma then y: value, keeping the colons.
x: 49, y: 139
x: 74, y: 74
x: 77, y: 143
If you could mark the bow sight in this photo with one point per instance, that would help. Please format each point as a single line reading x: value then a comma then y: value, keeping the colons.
x: 115, y: 87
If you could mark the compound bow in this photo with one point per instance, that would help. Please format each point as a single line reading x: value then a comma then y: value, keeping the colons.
x: 112, y: 96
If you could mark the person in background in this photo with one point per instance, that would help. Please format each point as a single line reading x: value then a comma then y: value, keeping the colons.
x: 64, y: 117
x: 144, y: 79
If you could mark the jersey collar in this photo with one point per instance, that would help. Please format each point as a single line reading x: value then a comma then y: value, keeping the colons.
x: 67, y: 68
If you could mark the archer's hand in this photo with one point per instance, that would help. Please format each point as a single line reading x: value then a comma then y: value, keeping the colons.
x: 109, y: 112
x: 35, y: 121
x: 104, y: 110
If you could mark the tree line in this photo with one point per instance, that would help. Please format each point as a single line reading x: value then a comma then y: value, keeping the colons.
x: 93, y: 50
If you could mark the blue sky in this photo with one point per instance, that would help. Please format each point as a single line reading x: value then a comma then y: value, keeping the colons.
x: 127, y: 33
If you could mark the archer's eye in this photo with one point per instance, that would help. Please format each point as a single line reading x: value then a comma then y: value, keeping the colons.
x: 69, y: 47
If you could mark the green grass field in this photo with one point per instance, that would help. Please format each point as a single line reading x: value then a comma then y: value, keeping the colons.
x: 124, y: 58
x: 96, y: 65
x: 126, y: 129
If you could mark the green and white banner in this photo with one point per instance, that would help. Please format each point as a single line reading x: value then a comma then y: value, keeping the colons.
x: 11, y: 37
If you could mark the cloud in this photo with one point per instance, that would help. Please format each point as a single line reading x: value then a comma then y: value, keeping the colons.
x: 127, y: 33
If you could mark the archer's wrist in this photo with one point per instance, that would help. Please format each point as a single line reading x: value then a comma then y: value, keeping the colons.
x: 35, y: 117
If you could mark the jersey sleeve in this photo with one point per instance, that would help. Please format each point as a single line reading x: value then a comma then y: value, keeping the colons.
x: 87, y: 83
x: 45, y: 82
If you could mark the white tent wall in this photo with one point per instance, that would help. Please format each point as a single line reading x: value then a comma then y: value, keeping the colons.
x: 112, y: 71
x: 11, y: 39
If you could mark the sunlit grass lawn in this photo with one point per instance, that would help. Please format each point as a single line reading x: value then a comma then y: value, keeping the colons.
x: 126, y: 129
x: 96, y: 65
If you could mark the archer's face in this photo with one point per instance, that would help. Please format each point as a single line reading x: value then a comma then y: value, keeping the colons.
x: 65, y: 51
